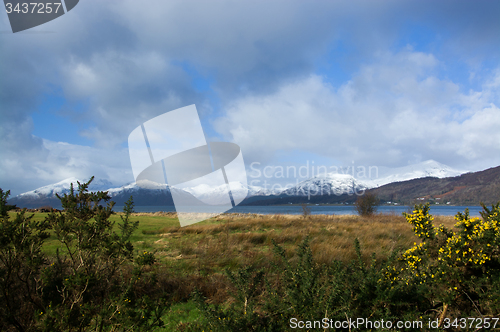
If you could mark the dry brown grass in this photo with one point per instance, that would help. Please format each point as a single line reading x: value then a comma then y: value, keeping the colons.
x: 194, y: 257
x: 233, y: 240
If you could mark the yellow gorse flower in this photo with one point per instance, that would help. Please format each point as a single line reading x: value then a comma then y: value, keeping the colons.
x: 475, y: 242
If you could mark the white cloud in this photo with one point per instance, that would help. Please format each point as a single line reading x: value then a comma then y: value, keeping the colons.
x: 391, y: 112
x: 124, y: 59
x: 56, y: 161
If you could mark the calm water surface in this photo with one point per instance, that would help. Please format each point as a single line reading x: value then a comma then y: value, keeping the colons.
x: 442, y: 210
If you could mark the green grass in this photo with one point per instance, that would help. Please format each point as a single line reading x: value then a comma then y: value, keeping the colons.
x: 181, y: 314
x: 147, y: 223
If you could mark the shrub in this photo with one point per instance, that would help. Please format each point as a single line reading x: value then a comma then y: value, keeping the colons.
x: 4, y: 208
x: 21, y: 260
x: 91, y: 285
x: 3, y: 202
x: 366, y: 204
x: 300, y: 288
x: 306, y: 210
x: 461, y: 268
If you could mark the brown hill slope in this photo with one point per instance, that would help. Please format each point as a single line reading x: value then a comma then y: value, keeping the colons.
x: 467, y: 189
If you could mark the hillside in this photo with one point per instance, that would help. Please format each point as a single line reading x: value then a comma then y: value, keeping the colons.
x: 466, y: 189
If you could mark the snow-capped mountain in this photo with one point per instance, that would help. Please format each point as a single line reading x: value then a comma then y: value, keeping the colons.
x: 133, y: 187
x: 209, y: 194
x: 328, y: 184
x: 218, y: 194
x: 64, y: 187
x: 429, y: 168
x: 46, y: 196
x: 160, y: 194
x: 339, y: 183
x: 157, y: 194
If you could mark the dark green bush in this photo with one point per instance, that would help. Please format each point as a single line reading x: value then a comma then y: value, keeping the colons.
x: 21, y: 263
x: 91, y: 285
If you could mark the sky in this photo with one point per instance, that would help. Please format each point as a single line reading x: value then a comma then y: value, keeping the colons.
x: 373, y: 83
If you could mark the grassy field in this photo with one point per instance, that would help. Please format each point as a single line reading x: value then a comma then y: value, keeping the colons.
x: 196, y: 256
x: 232, y: 240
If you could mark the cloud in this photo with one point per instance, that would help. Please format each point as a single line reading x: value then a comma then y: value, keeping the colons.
x: 56, y: 161
x: 127, y: 62
x: 124, y: 90
x: 392, y: 112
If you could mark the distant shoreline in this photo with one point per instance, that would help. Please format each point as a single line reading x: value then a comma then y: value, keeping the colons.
x: 296, y: 209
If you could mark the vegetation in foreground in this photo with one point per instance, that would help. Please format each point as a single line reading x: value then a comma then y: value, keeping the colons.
x: 87, y: 269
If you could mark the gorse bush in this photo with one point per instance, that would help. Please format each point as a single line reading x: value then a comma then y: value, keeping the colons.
x: 91, y: 285
x: 21, y: 260
x: 3, y: 202
x: 4, y: 208
x: 462, y: 267
x: 448, y: 276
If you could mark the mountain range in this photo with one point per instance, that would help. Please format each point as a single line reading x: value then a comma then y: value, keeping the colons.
x: 46, y: 196
x: 426, y: 181
x: 338, y: 184
x: 465, y: 189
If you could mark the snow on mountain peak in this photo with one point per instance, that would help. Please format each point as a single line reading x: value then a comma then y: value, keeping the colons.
x: 347, y: 182
x: 428, y: 168
x: 336, y: 183
x: 327, y: 184
x: 64, y: 186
